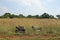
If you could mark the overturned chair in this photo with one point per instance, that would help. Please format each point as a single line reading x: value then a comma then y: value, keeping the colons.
x: 20, y: 29
x: 36, y: 28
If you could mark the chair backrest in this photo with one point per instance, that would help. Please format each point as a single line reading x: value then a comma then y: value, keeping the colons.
x: 20, y: 29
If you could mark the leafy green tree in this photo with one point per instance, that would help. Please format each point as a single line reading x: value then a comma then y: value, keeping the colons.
x: 21, y: 16
x: 29, y: 16
x: 36, y: 16
x: 51, y: 16
x: 0, y: 16
x: 12, y: 16
x: 45, y: 15
x: 6, y: 15
x: 58, y: 16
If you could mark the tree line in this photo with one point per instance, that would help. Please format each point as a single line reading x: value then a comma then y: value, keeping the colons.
x: 44, y: 15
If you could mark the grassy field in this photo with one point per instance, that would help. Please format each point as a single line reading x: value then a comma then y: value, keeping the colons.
x: 50, y: 28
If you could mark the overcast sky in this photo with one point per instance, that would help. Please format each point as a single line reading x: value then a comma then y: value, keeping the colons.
x: 32, y: 7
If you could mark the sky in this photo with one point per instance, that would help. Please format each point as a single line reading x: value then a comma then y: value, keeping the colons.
x: 30, y: 7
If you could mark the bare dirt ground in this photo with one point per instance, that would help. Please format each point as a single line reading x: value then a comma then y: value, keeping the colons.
x: 33, y: 36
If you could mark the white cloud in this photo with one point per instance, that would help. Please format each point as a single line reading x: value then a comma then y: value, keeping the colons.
x: 32, y: 2
x: 32, y: 6
x: 27, y: 2
x: 35, y: 5
x: 49, y: 0
x: 3, y: 9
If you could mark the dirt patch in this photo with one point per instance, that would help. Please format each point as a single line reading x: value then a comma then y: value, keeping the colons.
x: 46, y: 36
x: 33, y: 36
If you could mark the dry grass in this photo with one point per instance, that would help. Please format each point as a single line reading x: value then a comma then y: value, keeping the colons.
x: 29, y: 22
x: 7, y: 26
